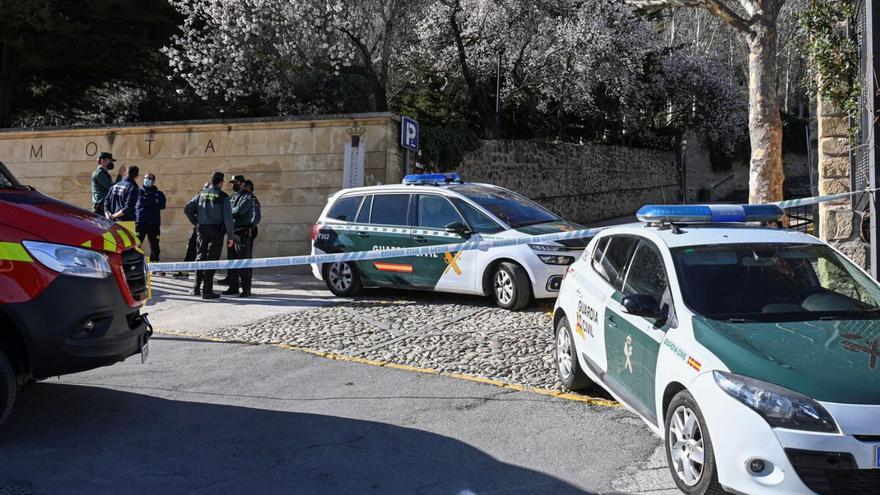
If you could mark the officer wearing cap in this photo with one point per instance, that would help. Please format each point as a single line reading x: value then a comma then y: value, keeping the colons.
x: 211, y: 212
x: 101, y: 181
x: 236, y: 181
x: 246, y: 214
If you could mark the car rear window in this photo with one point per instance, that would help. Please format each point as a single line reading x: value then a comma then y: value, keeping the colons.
x: 614, y: 259
x: 345, y: 208
x: 364, y: 215
x: 390, y: 209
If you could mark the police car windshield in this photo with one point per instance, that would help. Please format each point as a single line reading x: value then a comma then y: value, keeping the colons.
x: 515, y: 210
x: 774, y: 282
x: 7, y: 180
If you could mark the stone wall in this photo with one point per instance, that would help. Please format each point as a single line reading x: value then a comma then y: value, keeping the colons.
x: 838, y: 224
x: 582, y: 183
x: 295, y: 165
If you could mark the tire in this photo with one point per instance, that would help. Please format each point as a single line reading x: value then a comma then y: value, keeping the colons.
x: 343, y: 279
x: 570, y: 373
x: 685, y: 432
x: 511, y: 287
x: 8, y: 387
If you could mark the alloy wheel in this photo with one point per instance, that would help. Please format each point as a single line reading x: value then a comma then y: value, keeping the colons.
x: 503, y: 287
x: 340, y: 276
x: 563, y: 352
x: 686, y: 445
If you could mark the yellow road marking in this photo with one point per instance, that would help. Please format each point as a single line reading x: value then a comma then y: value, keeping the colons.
x: 593, y: 401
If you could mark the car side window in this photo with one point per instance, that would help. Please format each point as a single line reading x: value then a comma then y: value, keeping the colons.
x: 435, y: 212
x: 598, y: 252
x: 345, y: 208
x: 646, y: 274
x: 390, y: 209
x: 364, y: 215
x: 615, y: 258
x: 478, y: 221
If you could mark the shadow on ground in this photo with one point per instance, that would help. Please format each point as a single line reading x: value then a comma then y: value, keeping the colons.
x: 79, y: 439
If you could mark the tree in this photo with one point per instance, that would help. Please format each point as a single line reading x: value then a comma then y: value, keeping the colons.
x: 756, y: 21
x: 277, y: 48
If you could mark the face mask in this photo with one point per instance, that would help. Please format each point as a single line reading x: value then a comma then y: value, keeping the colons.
x: 236, y: 187
x: 109, y: 166
x: 148, y: 182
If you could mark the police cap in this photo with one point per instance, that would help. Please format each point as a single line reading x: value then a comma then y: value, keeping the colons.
x: 237, y: 178
x: 106, y: 155
x: 217, y: 177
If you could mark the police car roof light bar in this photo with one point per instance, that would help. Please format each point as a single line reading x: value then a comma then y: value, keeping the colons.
x: 684, y: 214
x: 432, y: 179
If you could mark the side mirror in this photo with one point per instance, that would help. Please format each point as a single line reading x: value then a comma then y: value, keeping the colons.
x: 459, y: 228
x: 642, y: 305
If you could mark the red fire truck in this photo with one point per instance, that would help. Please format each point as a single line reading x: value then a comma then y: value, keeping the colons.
x: 72, y: 285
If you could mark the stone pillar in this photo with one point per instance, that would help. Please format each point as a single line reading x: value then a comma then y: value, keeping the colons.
x: 838, y: 224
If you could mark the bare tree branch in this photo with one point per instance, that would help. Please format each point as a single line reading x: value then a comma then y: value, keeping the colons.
x: 715, y: 7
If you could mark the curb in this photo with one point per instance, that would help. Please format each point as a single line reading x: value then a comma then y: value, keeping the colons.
x: 593, y: 401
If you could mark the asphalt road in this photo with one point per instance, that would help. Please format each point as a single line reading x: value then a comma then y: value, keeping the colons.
x: 207, y: 417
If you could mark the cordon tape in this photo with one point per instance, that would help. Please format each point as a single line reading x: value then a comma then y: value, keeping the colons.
x: 474, y: 243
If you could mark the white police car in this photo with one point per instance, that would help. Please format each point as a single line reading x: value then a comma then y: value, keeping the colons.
x: 752, y: 351
x: 432, y: 209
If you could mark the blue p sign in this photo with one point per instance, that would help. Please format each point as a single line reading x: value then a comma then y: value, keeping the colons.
x: 409, y: 134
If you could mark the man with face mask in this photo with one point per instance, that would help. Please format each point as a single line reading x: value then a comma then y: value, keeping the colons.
x: 150, y: 203
x: 101, y: 181
x: 237, y: 181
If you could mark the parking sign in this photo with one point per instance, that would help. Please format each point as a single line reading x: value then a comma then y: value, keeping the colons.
x: 409, y: 134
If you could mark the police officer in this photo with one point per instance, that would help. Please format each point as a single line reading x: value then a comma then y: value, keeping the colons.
x: 236, y: 181
x: 246, y: 214
x: 101, y: 181
x: 211, y: 212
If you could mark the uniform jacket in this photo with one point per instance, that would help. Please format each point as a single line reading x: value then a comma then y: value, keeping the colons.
x: 245, y: 210
x: 210, y: 207
x: 101, y: 184
x: 122, y: 196
x: 150, y: 203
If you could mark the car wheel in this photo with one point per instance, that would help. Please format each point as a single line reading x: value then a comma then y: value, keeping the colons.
x: 570, y: 373
x: 689, y: 451
x: 511, y: 287
x: 8, y: 387
x: 343, y: 279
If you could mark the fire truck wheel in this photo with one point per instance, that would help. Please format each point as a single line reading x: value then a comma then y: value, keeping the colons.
x: 8, y: 386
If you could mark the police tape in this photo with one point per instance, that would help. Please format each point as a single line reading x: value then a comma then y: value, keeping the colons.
x: 474, y: 243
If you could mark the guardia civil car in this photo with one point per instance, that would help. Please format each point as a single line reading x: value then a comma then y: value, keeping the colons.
x: 432, y: 209
x: 752, y: 351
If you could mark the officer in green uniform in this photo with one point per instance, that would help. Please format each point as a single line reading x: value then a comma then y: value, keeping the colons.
x: 246, y: 214
x: 101, y: 181
x: 211, y: 213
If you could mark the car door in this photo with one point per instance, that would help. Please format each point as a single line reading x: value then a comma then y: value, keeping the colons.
x: 336, y: 234
x: 387, y: 228
x: 633, y: 342
x: 453, y: 271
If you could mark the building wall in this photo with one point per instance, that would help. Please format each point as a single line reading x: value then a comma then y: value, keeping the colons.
x: 582, y: 183
x: 295, y: 165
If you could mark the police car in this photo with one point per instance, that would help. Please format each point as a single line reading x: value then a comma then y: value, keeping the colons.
x: 433, y: 209
x: 752, y: 351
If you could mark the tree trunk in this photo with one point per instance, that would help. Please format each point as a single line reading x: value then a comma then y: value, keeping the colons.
x: 765, y: 125
x: 6, y: 80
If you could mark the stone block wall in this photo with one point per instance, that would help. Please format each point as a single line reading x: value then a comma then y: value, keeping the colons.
x: 295, y: 165
x: 838, y: 224
x: 582, y: 183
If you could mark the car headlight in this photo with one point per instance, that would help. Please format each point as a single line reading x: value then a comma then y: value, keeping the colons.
x: 552, y: 259
x: 551, y: 248
x: 779, y: 406
x: 70, y: 260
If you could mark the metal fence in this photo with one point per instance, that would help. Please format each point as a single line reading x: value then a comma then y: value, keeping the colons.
x: 800, y: 218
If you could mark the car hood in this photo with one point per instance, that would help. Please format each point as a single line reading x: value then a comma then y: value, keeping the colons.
x: 62, y: 223
x: 832, y: 361
x: 554, y: 227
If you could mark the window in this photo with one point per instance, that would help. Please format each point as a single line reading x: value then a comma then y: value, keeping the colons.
x: 436, y: 212
x: 345, y: 208
x: 478, y: 221
x: 616, y: 255
x: 598, y: 253
x: 774, y: 282
x: 390, y: 209
x: 646, y: 274
x: 510, y: 207
x: 364, y: 215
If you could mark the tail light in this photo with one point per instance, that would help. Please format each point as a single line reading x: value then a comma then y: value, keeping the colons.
x: 315, y: 229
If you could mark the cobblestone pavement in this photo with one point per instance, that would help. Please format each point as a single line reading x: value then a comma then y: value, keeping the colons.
x: 448, y: 333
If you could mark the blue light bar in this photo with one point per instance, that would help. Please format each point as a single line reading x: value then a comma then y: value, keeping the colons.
x: 709, y: 213
x: 432, y: 179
